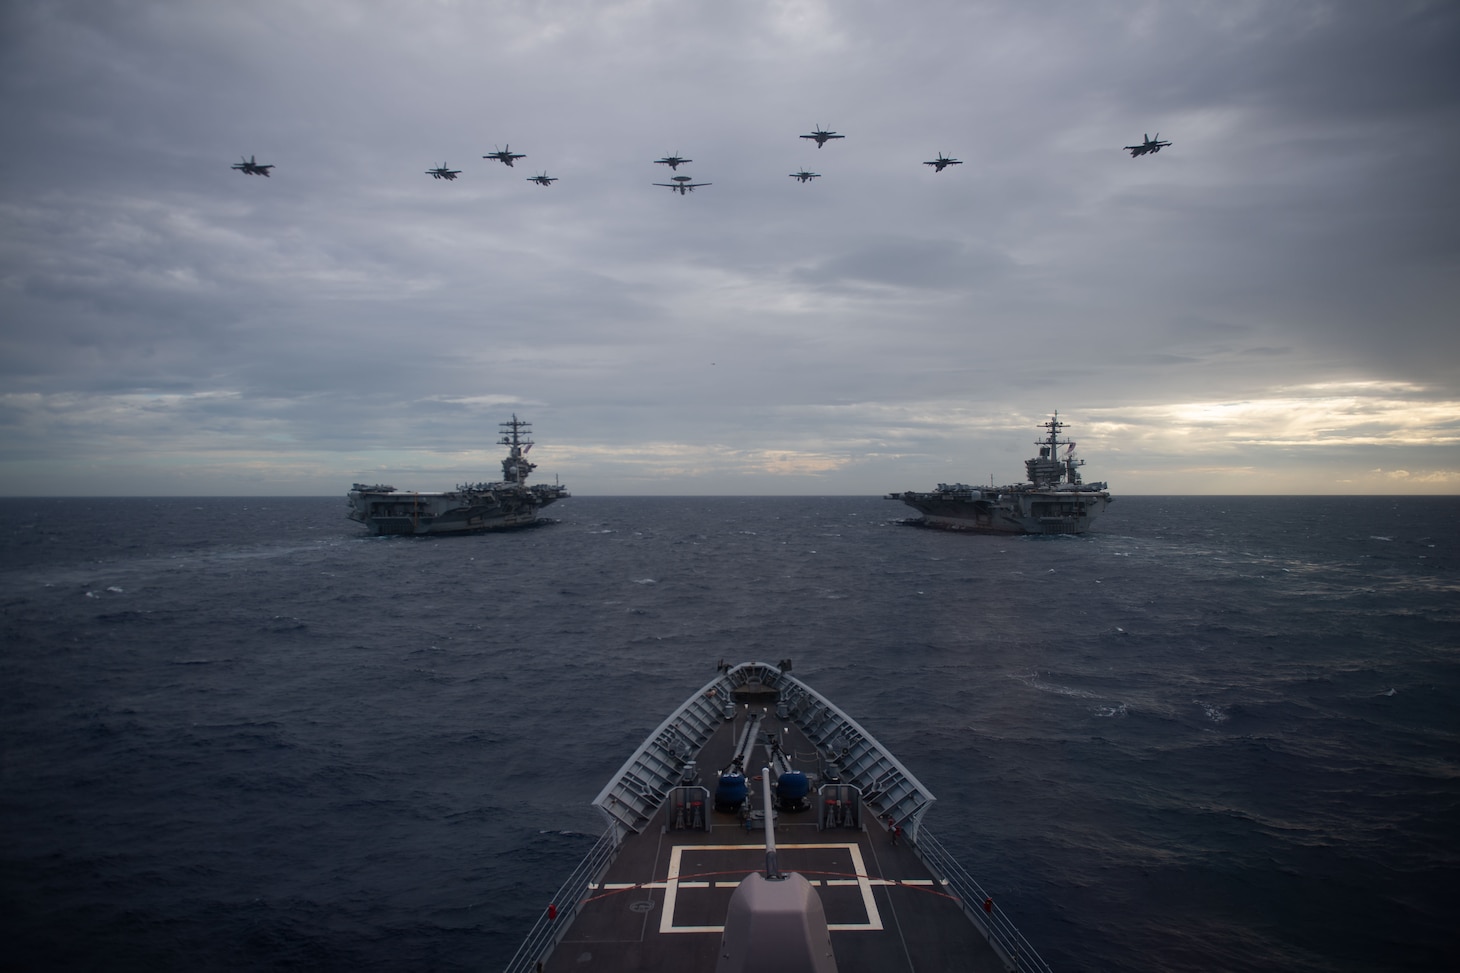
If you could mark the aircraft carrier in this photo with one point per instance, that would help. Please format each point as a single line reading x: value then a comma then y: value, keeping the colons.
x: 471, y: 507
x: 1054, y: 501
x: 803, y: 849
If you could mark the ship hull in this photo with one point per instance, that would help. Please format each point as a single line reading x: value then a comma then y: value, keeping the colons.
x: 656, y: 891
x: 447, y: 513
x: 1033, y: 512
x: 1054, y: 500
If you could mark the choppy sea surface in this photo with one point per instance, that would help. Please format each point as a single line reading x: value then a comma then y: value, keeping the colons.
x: 1213, y: 734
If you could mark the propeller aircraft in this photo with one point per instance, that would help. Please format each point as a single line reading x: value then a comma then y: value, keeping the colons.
x: 682, y: 185
x: 251, y: 167
x: 543, y: 179
x: 506, y: 156
x: 1152, y: 145
x: 942, y: 162
x: 672, y: 161
x: 821, y: 136
x: 443, y: 173
x: 805, y: 176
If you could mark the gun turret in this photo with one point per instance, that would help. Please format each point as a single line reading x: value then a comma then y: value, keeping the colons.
x: 776, y: 920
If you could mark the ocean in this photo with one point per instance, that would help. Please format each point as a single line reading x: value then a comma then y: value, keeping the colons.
x: 239, y: 734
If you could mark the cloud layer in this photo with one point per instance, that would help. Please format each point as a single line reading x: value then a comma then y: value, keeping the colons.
x: 1266, y: 306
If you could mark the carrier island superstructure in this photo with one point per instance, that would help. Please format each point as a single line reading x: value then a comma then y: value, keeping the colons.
x: 1054, y: 501
x: 469, y: 508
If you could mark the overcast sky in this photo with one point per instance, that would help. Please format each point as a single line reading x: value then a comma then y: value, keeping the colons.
x: 1270, y: 305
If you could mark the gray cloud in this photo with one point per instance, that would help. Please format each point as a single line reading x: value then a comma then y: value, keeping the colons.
x: 171, y: 319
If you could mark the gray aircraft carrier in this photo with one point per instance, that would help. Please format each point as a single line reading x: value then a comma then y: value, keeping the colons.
x: 469, y: 508
x: 1054, y: 501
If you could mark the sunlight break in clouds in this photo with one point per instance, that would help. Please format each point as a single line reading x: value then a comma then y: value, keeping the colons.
x: 656, y: 461
x: 1324, y: 414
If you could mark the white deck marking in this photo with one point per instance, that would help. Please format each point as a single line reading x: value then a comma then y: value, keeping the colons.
x: 673, y: 885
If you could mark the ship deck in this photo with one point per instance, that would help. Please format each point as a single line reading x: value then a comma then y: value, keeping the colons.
x: 662, y: 903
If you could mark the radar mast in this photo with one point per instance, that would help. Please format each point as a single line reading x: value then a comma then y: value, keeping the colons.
x: 516, y: 435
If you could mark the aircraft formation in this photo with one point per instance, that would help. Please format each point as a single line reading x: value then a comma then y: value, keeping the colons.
x: 686, y: 184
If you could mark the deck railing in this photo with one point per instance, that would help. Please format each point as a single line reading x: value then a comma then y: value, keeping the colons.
x: 568, y: 901
x: 996, y: 927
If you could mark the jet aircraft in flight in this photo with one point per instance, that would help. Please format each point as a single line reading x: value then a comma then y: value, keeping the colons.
x: 821, y: 136
x: 805, y: 176
x: 672, y: 161
x: 682, y: 185
x: 940, y: 163
x: 543, y: 179
x: 506, y: 155
x: 443, y: 173
x: 251, y: 167
x: 1152, y: 145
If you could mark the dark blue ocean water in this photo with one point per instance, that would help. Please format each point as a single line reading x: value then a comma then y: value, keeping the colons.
x: 1216, y: 734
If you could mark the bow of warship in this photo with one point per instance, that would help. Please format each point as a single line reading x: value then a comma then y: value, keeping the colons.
x: 471, y: 507
x: 760, y: 828
x: 1053, y: 501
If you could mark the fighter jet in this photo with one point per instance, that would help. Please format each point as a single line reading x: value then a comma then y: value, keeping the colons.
x: 543, y: 179
x: 251, y: 167
x: 942, y: 162
x: 506, y: 155
x: 1149, y: 145
x: 821, y: 136
x: 682, y: 185
x: 805, y: 176
x: 672, y: 161
x: 443, y: 173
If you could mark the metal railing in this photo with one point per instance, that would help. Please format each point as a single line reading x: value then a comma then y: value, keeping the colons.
x: 568, y: 900
x: 996, y: 927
